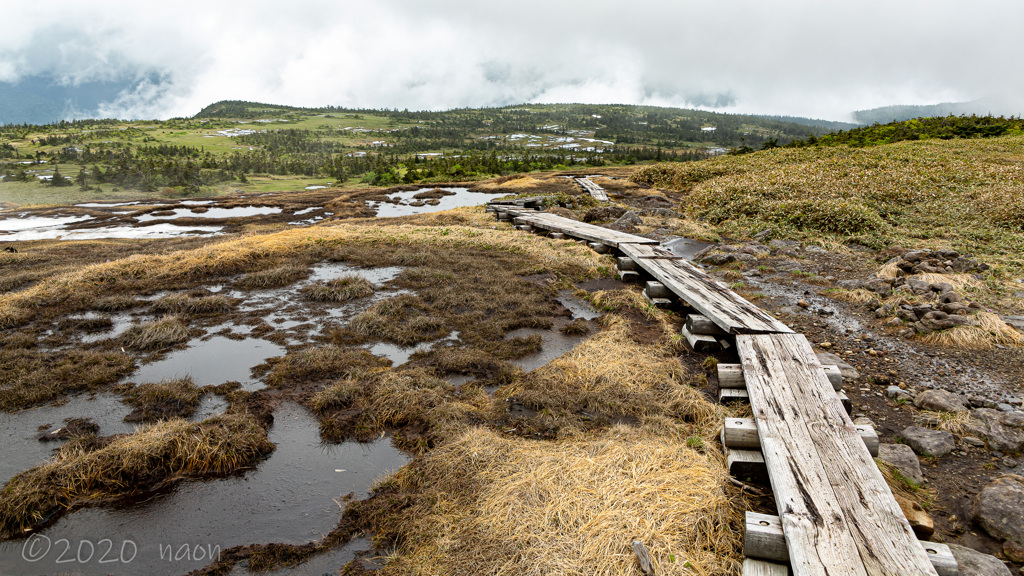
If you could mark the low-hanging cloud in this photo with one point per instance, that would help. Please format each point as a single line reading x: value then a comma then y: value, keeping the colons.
x: 792, y: 57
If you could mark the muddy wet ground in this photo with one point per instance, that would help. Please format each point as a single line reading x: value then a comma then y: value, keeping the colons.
x: 250, y: 331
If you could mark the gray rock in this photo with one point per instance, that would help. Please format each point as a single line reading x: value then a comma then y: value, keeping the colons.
x: 758, y: 250
x: 916, y: 255
x: 940, y: 401
x: 973, y: 441
x: 906, y: 315
x: 897, y: 392
x: 630, y: 218
x: 879, y: 285
x: 974, y: 563
x: 1002, y: 406
x: 850, y: 284
x: 919, y: 286
x: 603, y: 213
x: 816, y: 249
x: 1015, y: 321
x: 1004, y: 431
x: 743, y: 256
x: 903, y: 458
x: 928, y: 442
x: 848, y: 372
x: 1000, y: 508
x: 937, y: 320
x: 718, y: 259
x: 941, y: 287
x: 784, y: 244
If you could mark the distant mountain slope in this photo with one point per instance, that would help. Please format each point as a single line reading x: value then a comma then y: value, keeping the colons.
x: 983, y: 107
x: 943, y: 127
x: 44, y: 99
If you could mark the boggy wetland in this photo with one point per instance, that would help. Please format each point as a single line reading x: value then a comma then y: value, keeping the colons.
x: 345, y: 380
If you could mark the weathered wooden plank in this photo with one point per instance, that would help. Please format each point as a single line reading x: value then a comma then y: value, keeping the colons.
x: 643, y: 558
x: 837, y: 512
x: 731, y: 312
x: 763, y: 538
x: 583, y: 230
x: 590, y: 186
x: 741, y: 433
x: 731, y: 376
x: 752, y: 567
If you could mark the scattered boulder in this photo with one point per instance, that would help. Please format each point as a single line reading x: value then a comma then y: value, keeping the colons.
x: 718, y: 259
x: 941, y: 401
x: 850, y: 284
x: 784, y: 244
x: 999, y: 508
x: 903, y: 458
x: 928, y: 442
x: 1004, y: 431
x: 974, y: 563
x: 920, y: 521
x: 848, y: 372
x: 630, y: 218
x: 603, y: 213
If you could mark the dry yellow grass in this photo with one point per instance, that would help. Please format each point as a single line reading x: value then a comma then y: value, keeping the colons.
x: 77, y: 289
x: 952, y: 422
x: 959, y: 282
x: 498, y: 505
x: 610, y: 374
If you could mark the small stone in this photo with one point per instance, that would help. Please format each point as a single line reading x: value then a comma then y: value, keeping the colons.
x: 971, y: 440
x: 718, y: 259
x: 896, y: 392
x: 928, y: 442
x: 974, y: 563
x: 903, y: 458
x: 803, y: 304
x: 1014, y: 551
x: 920, y: 521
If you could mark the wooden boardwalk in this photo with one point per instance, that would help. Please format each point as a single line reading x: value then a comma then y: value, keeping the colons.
x: 730, y: 311
x: 837, y: 516
x: 600, y: 234
x: 596, y: 191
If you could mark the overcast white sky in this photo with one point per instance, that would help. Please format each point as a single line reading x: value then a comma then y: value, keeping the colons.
x: 812, y: 58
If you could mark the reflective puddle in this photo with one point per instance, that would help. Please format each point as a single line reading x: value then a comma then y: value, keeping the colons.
x: 213, y: 361
x: 292, y: 497
x: 407, y: 203
x: 239, y: 212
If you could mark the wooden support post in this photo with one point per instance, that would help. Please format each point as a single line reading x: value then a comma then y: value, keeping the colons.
x: 700, y: 324
x: 700, y: 342
x: 731, y: 376
x: 626, y: 263
x: 628, y: 276
x: 729, y: 395
x: 657, y: 302
x: 658, y: 290
x: 763, y: 538
x: 753, y: 567
x: 525, y: 228
x: 558, y: 236
x: 847, y: 403
x: 599, y: 247
x: 747, y: 465
x: 741, y: 433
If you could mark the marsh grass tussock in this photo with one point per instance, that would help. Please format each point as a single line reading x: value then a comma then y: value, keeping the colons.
x: 92, y: 470
x: 989, y: 331
x: 33, y: 377
x: 193, y: 305
x: 175, y: 398
x: 276, y: 277
x: 167, y: 331
x: 343, y: 289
